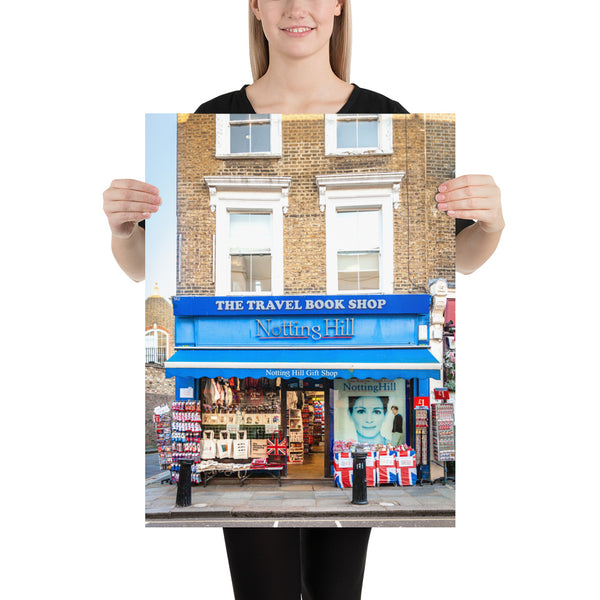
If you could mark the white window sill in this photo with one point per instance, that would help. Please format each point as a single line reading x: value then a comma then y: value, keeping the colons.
x: 358, y: 152
x: 356, y: 292
x: 248, y: 155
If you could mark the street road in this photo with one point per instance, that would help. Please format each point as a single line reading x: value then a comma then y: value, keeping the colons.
x: 342, y: 522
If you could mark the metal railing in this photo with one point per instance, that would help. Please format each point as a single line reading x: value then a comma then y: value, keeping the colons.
x: 156, y: 355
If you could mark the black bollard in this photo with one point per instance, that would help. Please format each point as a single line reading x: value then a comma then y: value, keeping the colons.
x: 184, y: 485
x: 359, y: 478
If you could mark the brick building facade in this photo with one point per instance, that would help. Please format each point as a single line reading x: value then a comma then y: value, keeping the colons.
x: 423, y: 149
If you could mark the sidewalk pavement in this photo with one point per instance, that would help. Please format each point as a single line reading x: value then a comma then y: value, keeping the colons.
x: 295, y: 499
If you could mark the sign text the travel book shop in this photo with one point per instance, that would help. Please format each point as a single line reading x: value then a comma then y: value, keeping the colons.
x: 302, y: 304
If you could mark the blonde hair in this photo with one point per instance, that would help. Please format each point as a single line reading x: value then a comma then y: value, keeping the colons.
x: 340, y: 45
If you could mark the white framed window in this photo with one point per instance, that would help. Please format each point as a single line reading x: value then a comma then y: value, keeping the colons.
x: 248, y: 136
x: 157, y: 345
x: 359, y: 217
x: 249, y: 233
x: 250, y: 257
x: 356, y: 134
x: 357, y: 239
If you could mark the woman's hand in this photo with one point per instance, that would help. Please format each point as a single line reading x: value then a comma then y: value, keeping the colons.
x: 473, y: 197
x: 128, y: 201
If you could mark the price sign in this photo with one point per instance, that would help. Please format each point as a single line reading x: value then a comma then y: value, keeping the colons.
x: 421, y: 401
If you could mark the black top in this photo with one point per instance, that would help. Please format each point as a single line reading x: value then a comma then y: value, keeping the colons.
x: 360, y: 101
x: 397, y: 426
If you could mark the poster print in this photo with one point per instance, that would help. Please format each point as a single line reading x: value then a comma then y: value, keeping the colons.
x: 300, y: 294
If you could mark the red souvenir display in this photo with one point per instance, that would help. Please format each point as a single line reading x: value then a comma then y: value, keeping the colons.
x: 343, y: 468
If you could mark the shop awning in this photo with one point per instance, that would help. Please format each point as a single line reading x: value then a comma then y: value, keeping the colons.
x: 347, y: 363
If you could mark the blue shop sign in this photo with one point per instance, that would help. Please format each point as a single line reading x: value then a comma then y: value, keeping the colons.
x: 204, y: 306
x: 301, y: 321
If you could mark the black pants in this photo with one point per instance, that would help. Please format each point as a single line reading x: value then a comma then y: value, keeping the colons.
x: 279, y: 564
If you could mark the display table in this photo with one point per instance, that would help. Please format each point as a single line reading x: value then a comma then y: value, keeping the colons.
x: 275, y: 471
x: 243, y: 471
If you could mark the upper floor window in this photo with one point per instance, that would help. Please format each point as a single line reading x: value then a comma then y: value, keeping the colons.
x: 250, y: 236
x: 249, y: 133
x: 357, y: 131
x: 359, y: 220
x: 248, y: 136
x: 249, y: 211
x: 358, y: 134
x: 358, y: 248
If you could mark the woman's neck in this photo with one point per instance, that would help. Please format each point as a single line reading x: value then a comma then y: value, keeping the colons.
x: 298, y: 86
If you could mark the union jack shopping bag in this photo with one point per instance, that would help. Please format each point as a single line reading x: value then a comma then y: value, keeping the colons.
x: 277, y: 446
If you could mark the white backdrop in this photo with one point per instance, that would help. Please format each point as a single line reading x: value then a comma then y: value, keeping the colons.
x: 80, y: 78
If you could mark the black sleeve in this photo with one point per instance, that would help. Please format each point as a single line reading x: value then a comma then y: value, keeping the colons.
x: 142, y: 224
x: 461, y: 224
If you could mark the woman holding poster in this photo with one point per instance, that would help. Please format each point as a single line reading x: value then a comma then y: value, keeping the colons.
x: 300, y: 56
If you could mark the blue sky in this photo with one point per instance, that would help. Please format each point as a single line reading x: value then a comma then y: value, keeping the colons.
x: 161, y: 171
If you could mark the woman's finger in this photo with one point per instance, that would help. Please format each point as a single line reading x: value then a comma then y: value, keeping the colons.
x: 119, y: 218
x: 468, y: 192
x: 134, y: 184
x: 123, y: 207
x: 474, y: 215
x: 465, y: 181
x: 467, y: 204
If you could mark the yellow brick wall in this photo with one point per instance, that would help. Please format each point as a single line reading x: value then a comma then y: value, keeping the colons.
x: 423, y: 237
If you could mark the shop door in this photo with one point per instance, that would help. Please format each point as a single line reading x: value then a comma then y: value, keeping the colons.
x: 307, y: 409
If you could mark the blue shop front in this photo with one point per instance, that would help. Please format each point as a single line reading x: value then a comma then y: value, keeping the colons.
x: 297, y: 374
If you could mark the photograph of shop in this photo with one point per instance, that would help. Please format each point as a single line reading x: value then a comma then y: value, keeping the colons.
x: 312, y: 272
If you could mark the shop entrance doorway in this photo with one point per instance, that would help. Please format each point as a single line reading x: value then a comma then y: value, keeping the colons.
x: 306, y: 408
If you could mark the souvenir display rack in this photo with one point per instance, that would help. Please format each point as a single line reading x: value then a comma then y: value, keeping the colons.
x: 162, y: 427
x: 186, y: 430
x: 422, y: 428
x: 295, y: 437
x: 307, y: 426
x: 421, y: 434
x: 442, y: 419
x: 318, y: 420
